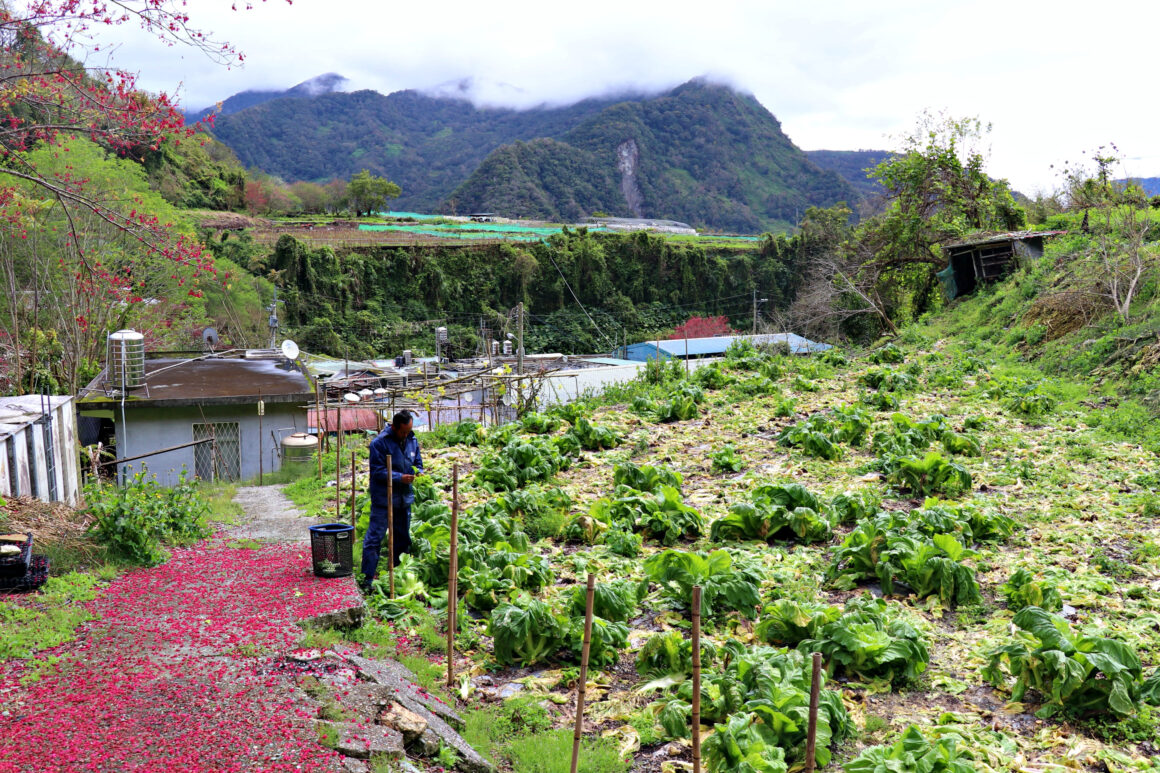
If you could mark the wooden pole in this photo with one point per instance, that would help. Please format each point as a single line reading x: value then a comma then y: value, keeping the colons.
x: 261, y: 442
x: 578, y: 731
x: 353, y: 489
x: 390, y: 529
x: 453, y: 577
x: 318, y: 428
x: 338, y: 461
x: 812, y: 735
x: 696, y: 679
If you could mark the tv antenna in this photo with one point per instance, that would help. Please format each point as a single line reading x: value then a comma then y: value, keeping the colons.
x: 210, y: 338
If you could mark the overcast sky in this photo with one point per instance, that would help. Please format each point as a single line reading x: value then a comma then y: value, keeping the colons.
x: 1056, y: 80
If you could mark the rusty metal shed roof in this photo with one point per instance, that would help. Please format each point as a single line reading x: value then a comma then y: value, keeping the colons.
x: 1009, y: 236
x: 212, y: 381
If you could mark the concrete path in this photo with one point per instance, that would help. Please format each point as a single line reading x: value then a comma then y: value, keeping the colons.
x: 270, y: 516
x: 185, y: 668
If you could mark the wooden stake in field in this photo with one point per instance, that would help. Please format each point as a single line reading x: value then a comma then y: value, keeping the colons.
x: 696, y: 718
x: 812, y: 734
x: 338, y: 466
x: 390, y: 529
x: 453, y: 577
x: 578, y: 732
x: 353, y: 489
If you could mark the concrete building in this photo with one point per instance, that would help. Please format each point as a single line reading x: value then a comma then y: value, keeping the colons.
x: 38, y: 448
x: 696, y: 348
x: 220, y: 418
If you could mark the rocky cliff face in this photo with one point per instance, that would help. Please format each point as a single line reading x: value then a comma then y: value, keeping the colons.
x: 627, y: 158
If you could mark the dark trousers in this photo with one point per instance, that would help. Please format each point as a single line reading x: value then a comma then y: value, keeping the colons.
x: 377, y: 532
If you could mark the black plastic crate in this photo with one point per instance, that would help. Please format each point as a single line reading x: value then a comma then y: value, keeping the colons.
x: 36, y: 576
x: 17, y: 565
x: 332, y: 549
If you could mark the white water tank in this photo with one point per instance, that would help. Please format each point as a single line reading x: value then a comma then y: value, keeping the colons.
x: 507, y: 348
x: 298, y: 447
x: 125, y: 362
x: 406, y: 356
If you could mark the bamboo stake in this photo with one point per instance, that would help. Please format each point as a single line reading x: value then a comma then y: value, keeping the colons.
x: 578, y: 732
x: 390, y: 529
x: 338, y: 466
x: 812, y: 735
x: 353, y: 489
x: 696, y: 679
x: 453, y: 577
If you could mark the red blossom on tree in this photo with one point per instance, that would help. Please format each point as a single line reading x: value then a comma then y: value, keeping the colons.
x: 703, y: 327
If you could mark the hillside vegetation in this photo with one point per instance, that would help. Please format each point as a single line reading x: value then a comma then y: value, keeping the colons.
x: 703, y: 154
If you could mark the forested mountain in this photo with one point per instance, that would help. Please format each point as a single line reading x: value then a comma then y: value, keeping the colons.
x: 852, y: 165
x: 322, y: 84
x: 701, y: 153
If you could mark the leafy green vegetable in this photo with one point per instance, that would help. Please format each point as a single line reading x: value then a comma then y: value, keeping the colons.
x: 593, y: 437
x: 932, y: 474
x: 615, y: 601
x: 914, y: 753
x: 525, y: 632
x: 466, y: 433
x: 726, y: 584
x: 671, y: 654
x: 727, y: 460
x: 606, y: 642
x: 645, y: 477
x: 865, y: 642
x: 741, y: 745
x: 1080, y: 675
x: 539, y: 423
x: 1023, y: 590
x: 787, y: 622
x: 886, y: 355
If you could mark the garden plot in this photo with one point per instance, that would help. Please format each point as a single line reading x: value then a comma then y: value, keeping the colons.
x: 969, y: 556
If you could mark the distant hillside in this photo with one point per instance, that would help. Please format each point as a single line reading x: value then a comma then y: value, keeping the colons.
x: 852, y: 166
x: 323, y: 84
x: 1151, y: 185
x: 700, y: 153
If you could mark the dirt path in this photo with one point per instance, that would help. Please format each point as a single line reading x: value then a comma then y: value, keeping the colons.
x: 185, y: 667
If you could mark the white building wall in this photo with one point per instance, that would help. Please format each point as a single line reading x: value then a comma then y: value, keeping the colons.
x: 30, y: 475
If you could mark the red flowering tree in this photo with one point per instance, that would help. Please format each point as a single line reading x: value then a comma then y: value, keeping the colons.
x: 703, y: 327
x: 108, y: 246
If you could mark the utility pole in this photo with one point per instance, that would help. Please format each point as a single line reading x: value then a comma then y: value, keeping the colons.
x: 520, y: 338
x: 756, y: 301
x: 273, y: 322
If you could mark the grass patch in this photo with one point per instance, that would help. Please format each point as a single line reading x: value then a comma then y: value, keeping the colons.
x: 25, y: 630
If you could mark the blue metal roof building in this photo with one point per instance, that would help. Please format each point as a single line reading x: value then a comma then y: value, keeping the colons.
x: 714, y: 347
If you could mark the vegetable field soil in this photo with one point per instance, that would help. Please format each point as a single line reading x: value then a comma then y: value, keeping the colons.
x: 970, y: 557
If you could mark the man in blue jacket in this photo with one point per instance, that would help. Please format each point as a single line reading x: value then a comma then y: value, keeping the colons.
x: 397, y: 442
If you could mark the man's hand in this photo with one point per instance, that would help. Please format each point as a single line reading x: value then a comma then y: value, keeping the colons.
x: 407, y: 479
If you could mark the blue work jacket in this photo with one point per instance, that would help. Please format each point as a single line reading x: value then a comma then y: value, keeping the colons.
x: 405, y: 460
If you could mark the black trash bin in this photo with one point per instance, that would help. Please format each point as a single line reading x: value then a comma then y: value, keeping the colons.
x: 332, y: 549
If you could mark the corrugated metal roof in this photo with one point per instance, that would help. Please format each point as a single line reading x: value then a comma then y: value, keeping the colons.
x: 353, y: 419
x: 1009, y: 236
x: 703, y: 347
x: 609, y: 361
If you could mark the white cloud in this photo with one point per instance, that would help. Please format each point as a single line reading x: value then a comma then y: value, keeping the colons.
x: 1055, y: 79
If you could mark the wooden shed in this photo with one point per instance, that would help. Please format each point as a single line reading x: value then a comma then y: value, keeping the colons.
x: 987, y: 258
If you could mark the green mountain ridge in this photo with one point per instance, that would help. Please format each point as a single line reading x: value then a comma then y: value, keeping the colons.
x: 701, y: 153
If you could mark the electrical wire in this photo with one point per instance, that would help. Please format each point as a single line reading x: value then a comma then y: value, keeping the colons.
x: 578, y: 303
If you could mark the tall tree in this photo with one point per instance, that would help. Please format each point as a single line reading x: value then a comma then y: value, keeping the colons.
x: 367, y: 194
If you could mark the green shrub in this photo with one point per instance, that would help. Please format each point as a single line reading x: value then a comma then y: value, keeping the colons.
x: 137, y: 520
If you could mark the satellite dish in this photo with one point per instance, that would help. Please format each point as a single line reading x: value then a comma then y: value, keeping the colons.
x: 467, y: 398
x: 351, y: 397
x: 289, y: 349
x: 508, y: 398
x: 210, y: 337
